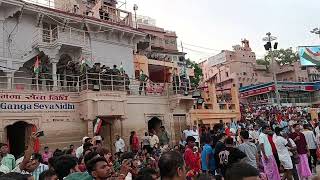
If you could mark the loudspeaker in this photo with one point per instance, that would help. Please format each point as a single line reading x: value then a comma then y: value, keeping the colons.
x: 267, y: 46
x: 275, y: 45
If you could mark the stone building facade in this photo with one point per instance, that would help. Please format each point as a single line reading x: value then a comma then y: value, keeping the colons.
x: 65, y: 106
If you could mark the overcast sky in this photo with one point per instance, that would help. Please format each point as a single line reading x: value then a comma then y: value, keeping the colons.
x: 219, y: 25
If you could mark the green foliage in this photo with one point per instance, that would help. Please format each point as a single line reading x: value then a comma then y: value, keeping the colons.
x: 263, y: 62
x: 197, y: 72
x: 283, y: 56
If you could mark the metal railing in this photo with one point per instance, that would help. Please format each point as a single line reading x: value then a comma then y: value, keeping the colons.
x: 296, y: 100
x: 106, y: 12
x: 67, y: 35
x: 87, y: 81
x: 116, y: 15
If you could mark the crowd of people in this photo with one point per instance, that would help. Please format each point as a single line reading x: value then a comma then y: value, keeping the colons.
x: 268, y: 143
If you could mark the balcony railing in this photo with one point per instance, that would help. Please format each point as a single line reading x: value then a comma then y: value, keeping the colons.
x: 60, y: 35
x: 107, y: 13
x: 115, y: 15
x: 296, y: 100
x: 84, y: 82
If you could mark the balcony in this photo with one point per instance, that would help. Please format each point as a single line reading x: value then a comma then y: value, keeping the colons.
x: 60, y: 36
x: 96, y: 10
x: 157, y: 43
x: 23, y: 81
x: 116, y: 16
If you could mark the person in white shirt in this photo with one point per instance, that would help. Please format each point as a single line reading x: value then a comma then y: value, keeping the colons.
x: 154, y: 140
x: 195, y: 133
x: 312, y: 145
x: 268, y: 160
x: 79, y: 150
x: 119, y: 144
x: 317, y: 129
x: 187, y: 132
x: 282, y: 145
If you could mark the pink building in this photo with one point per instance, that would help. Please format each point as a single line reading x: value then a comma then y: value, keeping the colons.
x: 237, y: 67
x: 292, y: 72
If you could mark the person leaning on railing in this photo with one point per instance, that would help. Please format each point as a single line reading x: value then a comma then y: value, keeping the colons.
x: 143, y: 78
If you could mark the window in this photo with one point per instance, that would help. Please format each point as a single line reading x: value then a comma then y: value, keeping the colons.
x: 240, y: 84
x: 244, y: 73
x: 227, y: 74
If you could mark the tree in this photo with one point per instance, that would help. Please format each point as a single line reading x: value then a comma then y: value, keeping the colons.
x: 283, y: 56
x: 197, y: 72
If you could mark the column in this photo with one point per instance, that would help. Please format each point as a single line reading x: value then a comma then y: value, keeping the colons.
x: 54, y: 75
x: 213, y: 96
x: 10, y: 76
x: 90, y: 128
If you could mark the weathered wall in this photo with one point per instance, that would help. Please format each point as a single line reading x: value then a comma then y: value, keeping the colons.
x: 113, y: 54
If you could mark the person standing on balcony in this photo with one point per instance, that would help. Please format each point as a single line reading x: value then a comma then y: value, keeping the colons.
x: 143, y: 82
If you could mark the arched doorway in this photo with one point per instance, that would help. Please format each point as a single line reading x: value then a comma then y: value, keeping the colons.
x: 17, y: 136
x: 154, y: 124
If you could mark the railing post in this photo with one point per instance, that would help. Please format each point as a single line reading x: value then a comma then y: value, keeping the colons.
x: 87, y: 81
x: 70, y: 34
x: 50, y: 41
x: 78, y: 83
x: 112, y: 82
x: 99, y: 81
x: 176, y: 89
x: 84, y: 38
x: 124, y: 82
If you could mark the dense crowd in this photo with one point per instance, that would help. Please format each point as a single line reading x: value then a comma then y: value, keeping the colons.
x: 268, y: 143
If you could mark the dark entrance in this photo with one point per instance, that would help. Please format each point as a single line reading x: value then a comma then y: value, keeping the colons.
x: 16, y: 135
x: 154, y: 124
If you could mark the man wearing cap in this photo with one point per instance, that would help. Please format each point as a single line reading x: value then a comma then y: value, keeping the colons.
x: 282, y: 145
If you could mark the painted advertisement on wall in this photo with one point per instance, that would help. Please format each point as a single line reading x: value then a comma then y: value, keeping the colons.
x: 309, y: 55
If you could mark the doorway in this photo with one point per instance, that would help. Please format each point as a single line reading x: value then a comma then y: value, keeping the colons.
x: 17, y: 134
x: 107, y: 134
x: 180, y: 124
x: 154, y: 124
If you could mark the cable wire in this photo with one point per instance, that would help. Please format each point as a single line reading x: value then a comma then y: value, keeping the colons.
x: 201, y: 47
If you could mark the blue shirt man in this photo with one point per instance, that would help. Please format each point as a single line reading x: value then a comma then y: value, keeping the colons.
x: 207, y: 158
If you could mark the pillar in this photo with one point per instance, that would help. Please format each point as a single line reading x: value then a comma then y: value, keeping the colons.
x: 213, y: 96
x: 10, y: 77
x: 54, y: 75
x: 90, y: 128
x: 235, y: 100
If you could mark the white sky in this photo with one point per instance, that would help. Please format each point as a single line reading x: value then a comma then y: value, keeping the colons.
x: 220, y: 24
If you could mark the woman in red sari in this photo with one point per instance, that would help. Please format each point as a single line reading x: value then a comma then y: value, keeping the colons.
x: 135, y: 145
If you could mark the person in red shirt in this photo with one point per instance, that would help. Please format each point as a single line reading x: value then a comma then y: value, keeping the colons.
x: 135, y: 142
x: 191, y: 157
x: 303, y: 151
x: 227, y: 131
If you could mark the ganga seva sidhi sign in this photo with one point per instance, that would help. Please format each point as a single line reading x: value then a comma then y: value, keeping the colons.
x: 33, y: 106
x: 34, y: 103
